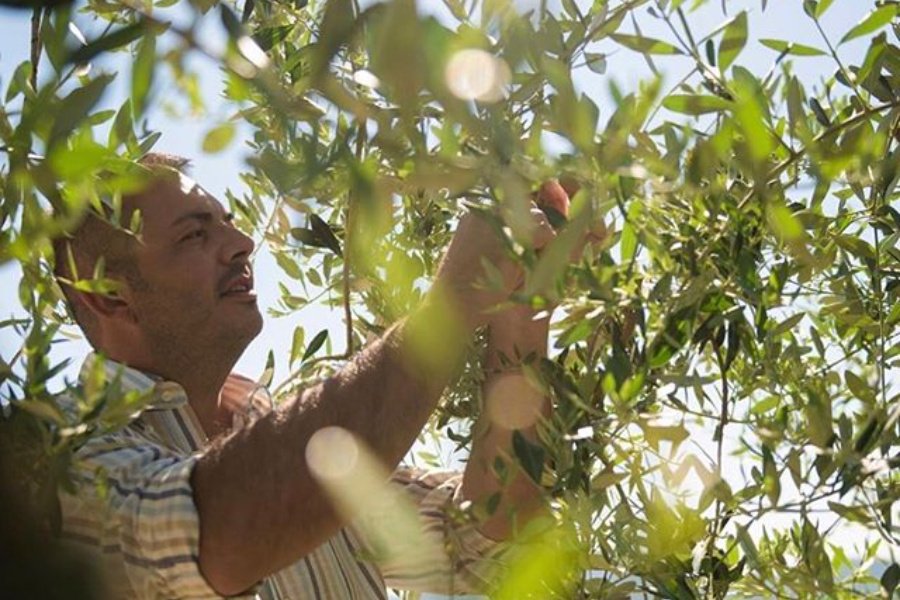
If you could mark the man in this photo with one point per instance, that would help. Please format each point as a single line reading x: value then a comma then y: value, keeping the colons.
x: 194, y: 507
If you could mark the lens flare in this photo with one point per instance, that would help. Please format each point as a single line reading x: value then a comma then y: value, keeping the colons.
x: 332, y: 453
x: 513, y: 403
x: 474, y: 74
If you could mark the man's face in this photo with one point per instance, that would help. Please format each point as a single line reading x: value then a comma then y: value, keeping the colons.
x: 194, y: 295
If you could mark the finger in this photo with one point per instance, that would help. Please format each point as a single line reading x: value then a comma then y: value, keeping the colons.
x: 543, y: 232
x: 237, y: 379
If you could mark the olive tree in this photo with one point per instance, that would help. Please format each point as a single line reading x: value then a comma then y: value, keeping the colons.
x: 722, y: 363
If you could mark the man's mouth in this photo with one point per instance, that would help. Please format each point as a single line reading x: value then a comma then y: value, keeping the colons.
x: 240, y: 287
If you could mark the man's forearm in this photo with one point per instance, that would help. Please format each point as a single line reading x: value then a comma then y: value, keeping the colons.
x: 511, y: 404
x: 260, y: 507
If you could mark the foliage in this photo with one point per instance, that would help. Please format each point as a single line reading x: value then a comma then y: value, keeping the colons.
x: 738, y: 330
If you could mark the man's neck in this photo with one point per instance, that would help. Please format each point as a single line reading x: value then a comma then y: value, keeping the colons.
x: 201, y: 386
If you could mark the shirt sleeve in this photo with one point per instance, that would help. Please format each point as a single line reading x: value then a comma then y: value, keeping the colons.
x: 134, y: 507
x: 465, y: 561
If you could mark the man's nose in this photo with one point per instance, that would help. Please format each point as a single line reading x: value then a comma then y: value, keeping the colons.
x: 237, y: 244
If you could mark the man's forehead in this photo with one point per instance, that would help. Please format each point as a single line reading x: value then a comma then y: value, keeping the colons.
x: 168, y: 199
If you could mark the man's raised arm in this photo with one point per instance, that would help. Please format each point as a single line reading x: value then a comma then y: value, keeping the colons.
x: 260, y: 507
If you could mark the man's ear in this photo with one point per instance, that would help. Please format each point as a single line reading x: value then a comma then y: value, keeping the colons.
x: 110, y: 305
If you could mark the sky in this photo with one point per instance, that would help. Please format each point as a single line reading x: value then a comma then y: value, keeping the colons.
x: 783, y: 19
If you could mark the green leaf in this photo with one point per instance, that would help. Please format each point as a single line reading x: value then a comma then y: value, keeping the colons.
x: 21, y: 80
x: 271, y: 36
x: 629, y: 242
x: 315, y: 344
x: 530, y: 455
x: 288, y: 265
x: 765, y: 405
x: 76, y: 106
x: 874, y: 21
x: 784, y: 224
x: 747, y: 545
x: 856, y: 246
x: 823, y: 6
x: 733, y: 40
x: 218, y: 138
x: 324, y: 233
x: 111, y: 41
x: 792, y: 48
x: 230, y: 21
x: 890, y: 578
x: 122, y: 130
x: 142, y: 73
x: 645, y: 45
x: 596, y: 62
x: 858, y: 387
x: 43, y: 410
x: 786, y: 325
x: 297, y: 344
x: 695, y: 104
x: 269, y: 371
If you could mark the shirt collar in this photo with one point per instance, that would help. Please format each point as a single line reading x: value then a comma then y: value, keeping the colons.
x: 166, y: 395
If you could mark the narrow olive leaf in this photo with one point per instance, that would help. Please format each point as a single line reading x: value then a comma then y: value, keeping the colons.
x: 269, y: 372
x: 786, y: 325
x: 809, y: 7
x: 249, y: 5
x: 122, y: 129
x: 628, y: 242
x: 111, y: 41
x: 710, y: 49
x: 819, y: 112
x: 142, y: 72
x: 823, y: 6
x: 76, y: 106
x: 890, y: 578
x: 230, y: 22
x: 874, y: 21
x: 218, y: 138
x: 530, y: 455
x: 307, y: 237
x: 792, y: 48
x: 21, y: 80
x: 858, y: 387
x: 325, y: 234
x: 694, y: 104
x: 271, y: 36
x: 297, y: 344
x: 733, y: 40
x: 596, y: 62
x: 645, y: 45
x: 315, y: 344
x: 734, y: 344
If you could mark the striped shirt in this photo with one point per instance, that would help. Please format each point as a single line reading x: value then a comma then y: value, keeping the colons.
x: 134, y: 511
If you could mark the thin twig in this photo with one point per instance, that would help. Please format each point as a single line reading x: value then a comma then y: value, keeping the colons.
x: 36, y: 46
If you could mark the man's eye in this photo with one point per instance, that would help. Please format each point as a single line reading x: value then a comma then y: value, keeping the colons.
x: 196, y: 234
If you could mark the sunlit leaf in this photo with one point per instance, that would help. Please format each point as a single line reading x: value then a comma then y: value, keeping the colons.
x: 110, y: 41
x: 218, y: 138
x: 645, y: 45
x: 792, y: 48
x: 872, y: 22
x: 695, y: 104
x: 733, y: 40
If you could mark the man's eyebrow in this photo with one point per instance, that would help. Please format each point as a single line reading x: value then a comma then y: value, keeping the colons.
x: 199, y: 215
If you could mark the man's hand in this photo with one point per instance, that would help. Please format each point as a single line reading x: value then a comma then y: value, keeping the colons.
x: 512, y: 403
x: 474, y: 244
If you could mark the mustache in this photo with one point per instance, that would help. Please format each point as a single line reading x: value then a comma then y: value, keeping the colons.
x: 235, y: 272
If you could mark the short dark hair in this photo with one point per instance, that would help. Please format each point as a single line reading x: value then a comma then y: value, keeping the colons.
x: 78, y: 251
